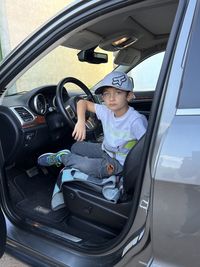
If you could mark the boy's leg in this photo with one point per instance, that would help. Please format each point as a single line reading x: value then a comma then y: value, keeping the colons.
x: 96, y: 167
x: 86, y: 157
x: 91, y: 150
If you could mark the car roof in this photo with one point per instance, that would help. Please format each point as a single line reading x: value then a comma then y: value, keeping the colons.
x: 147, y: 23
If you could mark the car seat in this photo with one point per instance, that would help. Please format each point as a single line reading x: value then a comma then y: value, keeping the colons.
x: 86, y: 201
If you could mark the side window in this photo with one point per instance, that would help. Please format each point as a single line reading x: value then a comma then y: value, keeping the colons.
x: 145, y: 75
x: 190, y: 91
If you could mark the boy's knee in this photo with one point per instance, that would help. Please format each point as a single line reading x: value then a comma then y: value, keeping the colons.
x: 75, y: 147
x: 110, y: 169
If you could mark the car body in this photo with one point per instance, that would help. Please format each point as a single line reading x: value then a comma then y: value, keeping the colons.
x: 156, y: 220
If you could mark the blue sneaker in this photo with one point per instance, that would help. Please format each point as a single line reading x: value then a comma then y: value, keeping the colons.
x: 50, y: 159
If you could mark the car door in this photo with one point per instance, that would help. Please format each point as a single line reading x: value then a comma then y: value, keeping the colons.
x: 177, y: 179
x: 2, y: 233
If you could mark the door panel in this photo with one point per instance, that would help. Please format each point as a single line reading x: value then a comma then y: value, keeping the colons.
x: 2, y: 233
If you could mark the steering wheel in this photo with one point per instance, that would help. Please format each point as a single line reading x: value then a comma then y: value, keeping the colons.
x: 68, y: 108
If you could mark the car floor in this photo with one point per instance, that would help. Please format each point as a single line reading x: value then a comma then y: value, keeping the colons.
x: 31, y: 191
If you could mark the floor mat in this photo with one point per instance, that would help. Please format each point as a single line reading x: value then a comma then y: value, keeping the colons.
x: 31, y: 185
x: 37, y: 192
x: 40, y: 210
x: 35, y: 203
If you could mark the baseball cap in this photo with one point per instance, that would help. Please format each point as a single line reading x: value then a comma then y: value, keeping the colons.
x: 116, y: 79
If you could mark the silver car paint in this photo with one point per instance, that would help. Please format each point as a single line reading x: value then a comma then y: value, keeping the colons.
x: 176, y: 174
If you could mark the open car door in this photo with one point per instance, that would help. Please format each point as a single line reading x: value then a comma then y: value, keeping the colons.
x: 2, y: 233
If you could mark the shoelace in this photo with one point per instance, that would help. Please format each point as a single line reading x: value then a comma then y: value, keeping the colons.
x: 52, y: 160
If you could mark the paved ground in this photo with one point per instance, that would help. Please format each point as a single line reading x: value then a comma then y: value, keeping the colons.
x: 8, y: 261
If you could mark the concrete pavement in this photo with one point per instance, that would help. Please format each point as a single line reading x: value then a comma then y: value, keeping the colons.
x: 8, y: 261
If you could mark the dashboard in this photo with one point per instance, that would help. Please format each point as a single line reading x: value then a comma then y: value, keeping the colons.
x: 44, y: 100
x: 31, y: 120
x: 32, y: 108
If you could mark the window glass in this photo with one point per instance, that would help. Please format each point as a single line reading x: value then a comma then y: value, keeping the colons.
x: 190, y: 91
x: 145, y: 75
x: 60, y: 63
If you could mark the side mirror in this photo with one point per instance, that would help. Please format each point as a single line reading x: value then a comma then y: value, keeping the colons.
x: 92, y: 57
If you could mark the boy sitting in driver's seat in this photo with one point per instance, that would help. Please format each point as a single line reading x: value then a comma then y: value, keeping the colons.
x: 122, y: 125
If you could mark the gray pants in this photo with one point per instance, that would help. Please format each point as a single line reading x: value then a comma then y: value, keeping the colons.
x: 91, y: 159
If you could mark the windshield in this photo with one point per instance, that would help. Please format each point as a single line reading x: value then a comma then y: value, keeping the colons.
x: 60, y: 63
x: 63, y: 62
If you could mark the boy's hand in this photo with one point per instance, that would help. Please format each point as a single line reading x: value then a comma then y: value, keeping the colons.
x: 79, y: 132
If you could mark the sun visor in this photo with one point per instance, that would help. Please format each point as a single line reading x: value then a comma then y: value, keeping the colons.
x: 127, y: 56
x: 83, y: 40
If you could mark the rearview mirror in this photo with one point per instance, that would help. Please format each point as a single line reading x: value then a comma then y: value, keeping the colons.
x: 92, y: 57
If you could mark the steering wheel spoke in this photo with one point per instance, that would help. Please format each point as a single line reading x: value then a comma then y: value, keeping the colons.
x: 70, y: 112
x: 90, y: 124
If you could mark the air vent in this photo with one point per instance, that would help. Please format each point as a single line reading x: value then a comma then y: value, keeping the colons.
x: 24, y: 114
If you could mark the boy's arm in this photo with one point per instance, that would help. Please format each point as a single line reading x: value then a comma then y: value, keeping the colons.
x: 79, y: 132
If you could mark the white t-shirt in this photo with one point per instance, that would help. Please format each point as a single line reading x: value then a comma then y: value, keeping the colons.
x: 120, y: 133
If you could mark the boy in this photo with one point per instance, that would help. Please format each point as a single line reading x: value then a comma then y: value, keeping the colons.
x: 122, y: 127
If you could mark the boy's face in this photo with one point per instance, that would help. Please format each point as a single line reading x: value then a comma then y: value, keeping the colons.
x: 116, y: 100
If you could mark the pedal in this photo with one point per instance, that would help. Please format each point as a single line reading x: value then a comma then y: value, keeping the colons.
x: 32, y: 172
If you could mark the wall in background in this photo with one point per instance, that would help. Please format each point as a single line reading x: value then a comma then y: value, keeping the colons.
x: 20, y: 18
